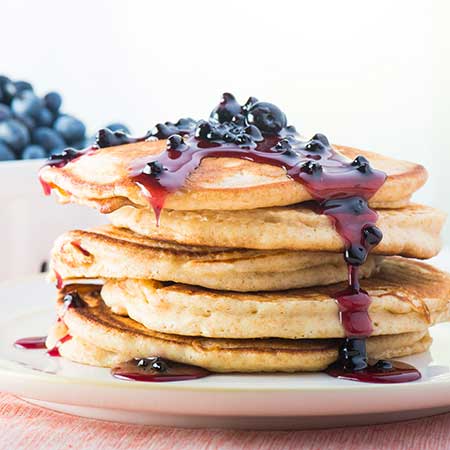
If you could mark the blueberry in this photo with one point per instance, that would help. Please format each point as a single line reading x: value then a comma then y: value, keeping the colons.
x: 176, y: 142
x: 383, y: 364
x: 44, y: 118
x: 143, y: 362
x: 354, y: 205
x: 118, y: 127
x: 5, y: 112
x: 267, y: 117
x: 283, y: 145
x: 362, y: 164
x: 355, y: 255
x: 254, y: 132
x: 314, y: 146
x: 14, y: 134
x: 159, y: 365
x: 249, y: 103
x: 311, y: 168
x: 226, y: 110
x: 3, y: 79
x: 80, y: 144
x: 53, y: 101
x: 6, y: 154
x: 352, y: 354
x: 23, y: 86
x: 372, y: 235
x: 8, y: 90
x: 153, y: 168
x: 28, y: 121
x: 48, y: 138
x: 26, y: 104
x: 107, y: 138
x: 70, y: 128
x: 34, y: 152
x: 321, y: 138
x: 203, y: 130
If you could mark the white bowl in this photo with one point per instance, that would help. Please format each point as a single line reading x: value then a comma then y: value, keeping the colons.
x: 30, y: 221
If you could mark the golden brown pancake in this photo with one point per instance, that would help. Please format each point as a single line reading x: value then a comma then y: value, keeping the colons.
x: 103, y: 180
x: 407, y: 296
x: 101, y: 338
x: 412, y: 231
x: 110, y: 252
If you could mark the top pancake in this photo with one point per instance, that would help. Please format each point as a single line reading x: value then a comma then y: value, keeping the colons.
x: 102, y: 180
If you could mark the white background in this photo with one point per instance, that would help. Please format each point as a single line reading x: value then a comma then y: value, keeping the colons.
x: 368, y: 74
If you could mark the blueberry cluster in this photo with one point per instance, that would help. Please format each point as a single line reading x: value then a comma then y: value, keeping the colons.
x: 243, y: 125
x: 34, y: 127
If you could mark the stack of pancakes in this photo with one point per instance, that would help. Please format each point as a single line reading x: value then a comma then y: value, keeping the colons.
x: 240, y: 274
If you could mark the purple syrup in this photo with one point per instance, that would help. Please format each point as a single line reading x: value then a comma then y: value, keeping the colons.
x: 157, y: 370
x: 31, y: 343
x: 381, y: 372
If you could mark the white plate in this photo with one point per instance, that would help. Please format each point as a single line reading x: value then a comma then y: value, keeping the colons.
x: 239, y: 401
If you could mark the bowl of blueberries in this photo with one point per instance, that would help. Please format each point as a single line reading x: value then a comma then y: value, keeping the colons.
x: 32, y: 128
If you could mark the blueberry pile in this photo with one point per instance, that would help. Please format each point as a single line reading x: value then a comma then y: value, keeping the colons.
x: 243, y: 125
x: 34, y: 127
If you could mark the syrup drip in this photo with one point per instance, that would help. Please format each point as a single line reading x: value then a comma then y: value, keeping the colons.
x: 60, y: 160
x: 31, y: 343
x: 71, y: 300
x: 59, y: 280
x: 380, y: 372
x: 157, y: 370
x: 77, y: 245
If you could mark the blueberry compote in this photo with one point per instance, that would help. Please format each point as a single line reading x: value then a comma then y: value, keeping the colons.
x: 157, y: 369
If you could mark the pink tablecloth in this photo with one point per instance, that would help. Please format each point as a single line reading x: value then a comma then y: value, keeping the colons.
x: 23, y: 426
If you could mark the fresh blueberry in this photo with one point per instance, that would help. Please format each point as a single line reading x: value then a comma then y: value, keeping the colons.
x: 48, y: 138
x: 44, y: 118
x: 28, y: 121
x: 267, y: 117
x: 70, y: 128
x: 53, y: 101
x: 34, y: 152
x: 107, y: 138
x: 14, y: 134
x: 3, y: 79
x: 118, y: 127
x: 6, y: 154
x: 80, y: 144
x: 226, y: 110
x: 26, y: 103
x: 8, y: 90
x: 23, y: 86
x: 5, y: 112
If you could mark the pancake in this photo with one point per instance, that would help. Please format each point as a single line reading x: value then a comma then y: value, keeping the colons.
x: 412, y: 231
x: 101, y: 338
x: 102, y: 180
x: 107, y: 252
x: 407, y: 296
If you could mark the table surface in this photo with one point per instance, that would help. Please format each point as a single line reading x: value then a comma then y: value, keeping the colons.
x: 24, y: 426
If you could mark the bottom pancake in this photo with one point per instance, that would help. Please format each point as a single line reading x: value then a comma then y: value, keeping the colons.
x: 101, y: 338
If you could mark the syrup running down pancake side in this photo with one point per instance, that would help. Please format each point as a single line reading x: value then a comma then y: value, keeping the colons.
x: 258, y: 132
